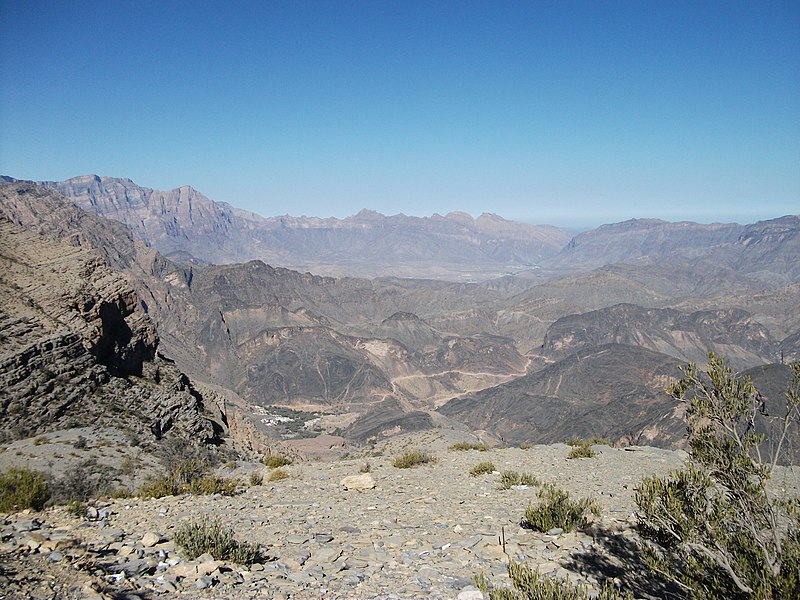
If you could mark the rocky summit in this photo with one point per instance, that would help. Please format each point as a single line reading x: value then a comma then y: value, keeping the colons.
x: 357, y: 527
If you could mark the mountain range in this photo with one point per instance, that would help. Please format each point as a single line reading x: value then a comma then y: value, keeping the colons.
x: 518, y: 332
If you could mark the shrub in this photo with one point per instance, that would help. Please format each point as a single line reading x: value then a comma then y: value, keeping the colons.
x: 188, y: 477
x: 412, y: 458
x: 276, y: 461
x: 80, y: 443
x: 556, y: 510
x: 278, y: 475
x: 256, y: 479
x: 467, y: 446
x: 512, y: 478
x: 531, y: 585
x: 582, y: 451
x: 21, y: 489
x: 714, y: 529
x: 204, y: 536
x: 482, y: 468
x: 88, y: 479
x: 211, y: 484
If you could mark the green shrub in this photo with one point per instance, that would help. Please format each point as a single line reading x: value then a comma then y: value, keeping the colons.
x: 276, y: 461
x: 556, y: 510
x: 278, y: 475
x: 77, y: 508
x: 532, y: 585
x: 512, y: 478
x: 204, y: 536
x: 412, y: 458
x: 467, y: 446
x: 21, y: 489
x: 256, y: 479
x: 482, y: 468
x: 582, y: 451
x: 713, y: 528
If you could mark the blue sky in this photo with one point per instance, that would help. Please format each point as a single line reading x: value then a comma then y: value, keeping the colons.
x: 564, y: 112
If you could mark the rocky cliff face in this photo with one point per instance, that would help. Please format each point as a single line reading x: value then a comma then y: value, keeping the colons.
x: 183, y: 222
x: 76, y: 347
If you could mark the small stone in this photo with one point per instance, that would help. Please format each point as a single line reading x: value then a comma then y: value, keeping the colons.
x: 56, y: 556
x: 365, y: 481
x: 470, y: 594
x: 323, y: 538
x: 150, y: 539
x: 555, y: 531
x: 203, y: 583
x: 92, y: 513
x: 207, y: 567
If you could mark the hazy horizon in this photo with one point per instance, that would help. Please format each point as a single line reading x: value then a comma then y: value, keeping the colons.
x: 573, y: 113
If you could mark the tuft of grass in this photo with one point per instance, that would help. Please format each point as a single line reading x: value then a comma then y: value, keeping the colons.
x: 256, y: 479
x: 276, y: 461
x: 278, y: 474
x: 41, y: 440
x: 365, y: 468
x: 511, y: 478
x: 525, y: 446
x: 413, y: 458
x: 557, y: 510
x: 204, y: 536
x: 482, y: 468
x: 584, y: 451
x: 463, y: 446
x: 21, y: 489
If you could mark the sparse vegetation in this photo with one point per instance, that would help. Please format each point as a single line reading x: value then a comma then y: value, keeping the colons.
x: 204, y: 536
x: 188, y: 477
x: 278, y: 474
x: 256, y: 478
x: 21, y: 489
x: 276, y: 461
x: 512, y: 478
x: 40, y: 440
x: 530, y: 584
x: 713, y: 528
x: 582, y: 451
x: 595, y: 441
x: 365, y: 468
x: 85, y: 480
x: 463, y: 446
x: 80, y: 443
x: 413, y: 458
x: 482, y: 468
x: 556, y: 510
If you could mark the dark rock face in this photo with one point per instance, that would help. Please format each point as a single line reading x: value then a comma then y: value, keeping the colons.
x: 77, y: 349
x: 612, y: 391
x: 688, y: 337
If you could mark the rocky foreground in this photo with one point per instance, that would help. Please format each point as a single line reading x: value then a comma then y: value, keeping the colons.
x: 418, y: 533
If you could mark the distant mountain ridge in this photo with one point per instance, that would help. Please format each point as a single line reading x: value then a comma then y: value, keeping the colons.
x: 368, y: 244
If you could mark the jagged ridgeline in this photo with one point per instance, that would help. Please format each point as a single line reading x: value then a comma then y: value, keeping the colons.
x: 581, y: 341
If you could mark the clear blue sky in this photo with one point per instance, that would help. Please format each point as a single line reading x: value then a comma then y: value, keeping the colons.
x: 563, y: 112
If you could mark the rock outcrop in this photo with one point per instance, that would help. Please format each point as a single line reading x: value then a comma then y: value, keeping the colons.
x: 76, y: 346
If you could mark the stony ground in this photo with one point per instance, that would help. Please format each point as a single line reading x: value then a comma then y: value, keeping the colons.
x: 419, y: 533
